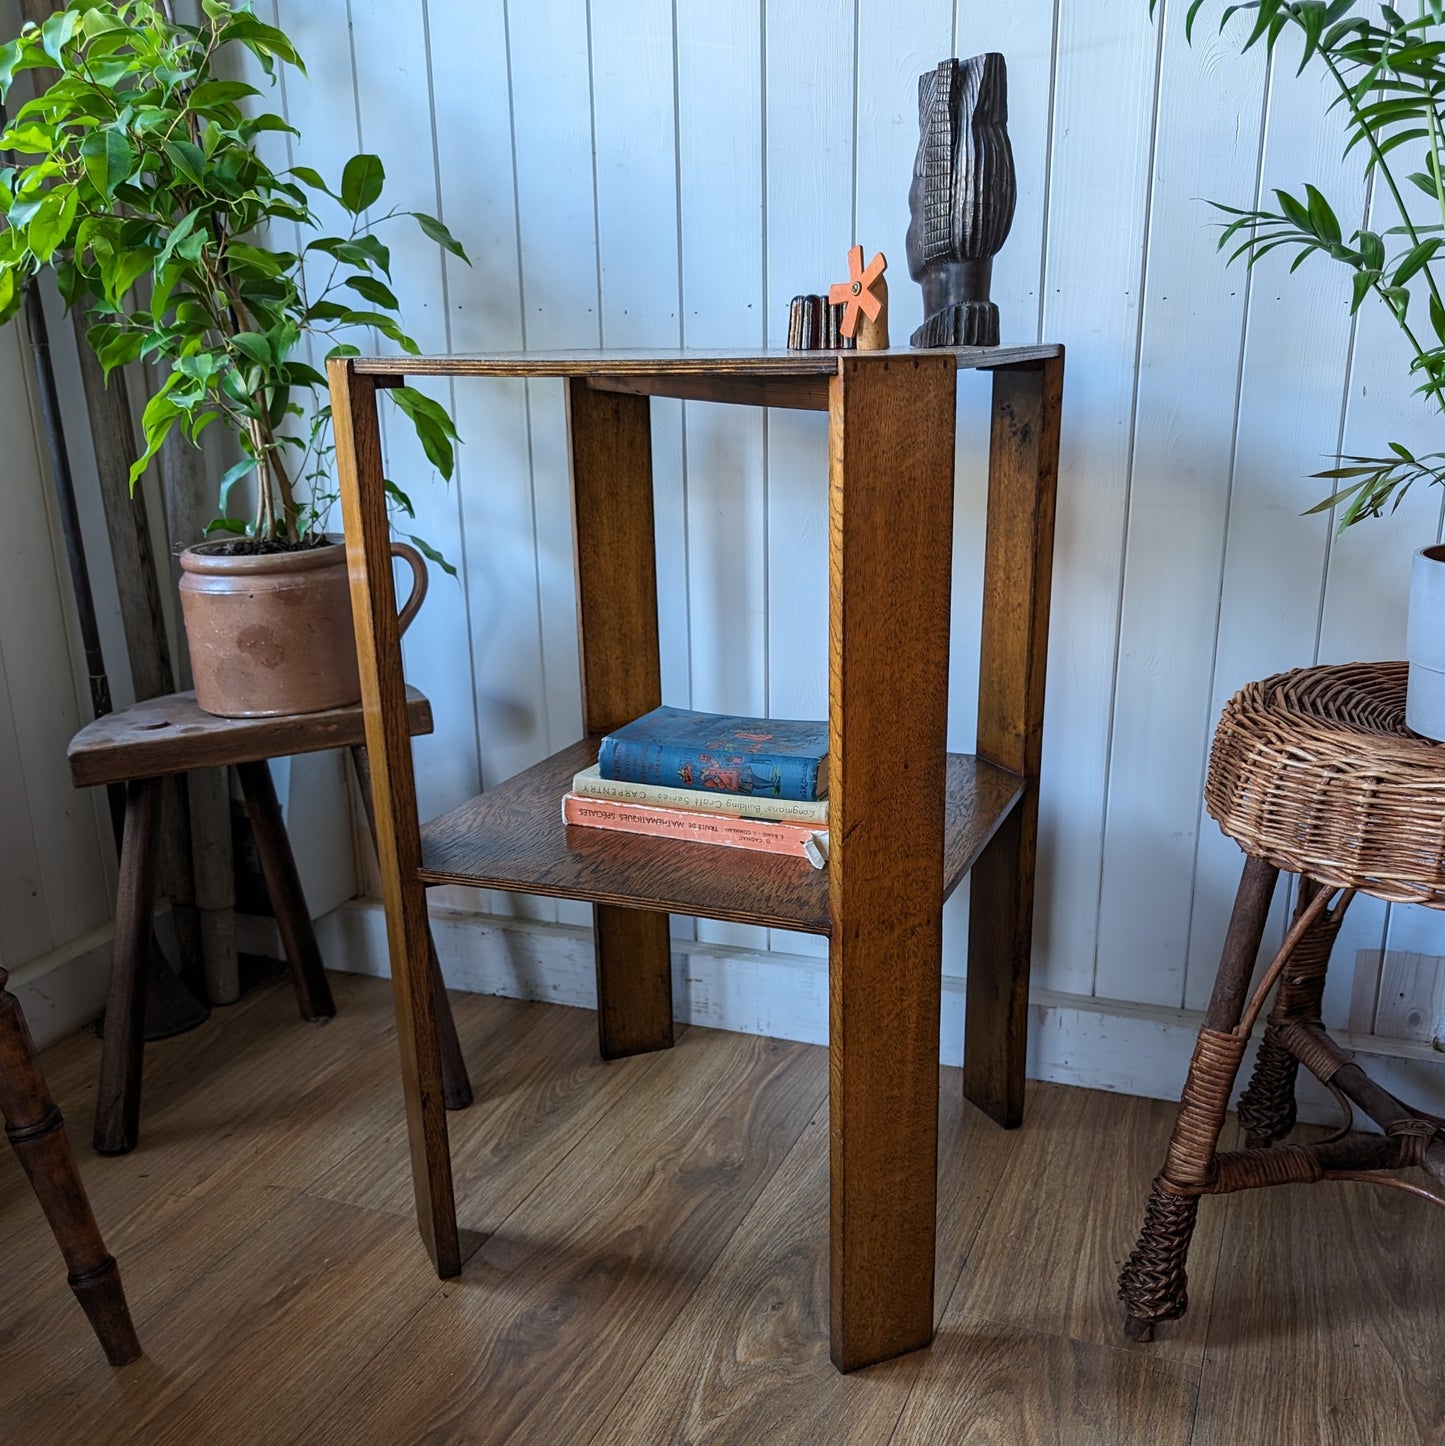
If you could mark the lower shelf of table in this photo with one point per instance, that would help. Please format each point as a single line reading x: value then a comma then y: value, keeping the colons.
x: 513, y: 837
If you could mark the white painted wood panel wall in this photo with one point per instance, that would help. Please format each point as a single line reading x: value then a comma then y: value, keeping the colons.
x: 657, y: 172
x: 56, y: 861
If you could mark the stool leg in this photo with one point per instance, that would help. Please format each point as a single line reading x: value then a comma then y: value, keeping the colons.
x: 1267, y: 1106
x: 456, y: 1086
x: 293, y: 918
x: 117, y: 1106
x: 1154, y: 1283
x: 37, y: 1133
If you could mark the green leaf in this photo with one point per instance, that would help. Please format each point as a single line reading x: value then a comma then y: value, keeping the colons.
x: 371, y: 249
x: 1310, y: 15
x: 1322, y: 219
x: 263, y: 41
x: 311, y: 178
x: 1437, y: 317
x: 10, y: 55
x: 58, y: 31
x: 231, y: 476
x: 108, y: 159
x: 51, y: 223
x: 1398, y: 298
x: 119, y: 350
x: 254, y: 345
x: 23, y: 210
x: 1418, y: 257
x: 299, y: 374
x: 182, y: 229
x: 1362, y: 284
x: 433, y: 426
x: 361, y: 182
x: 431, y: 554
x: 1295, y: 213
x: 189, y: 159
x: 373, y: 290
x: 439, y: 233
x: 219, y: 92
x: 399, y: 498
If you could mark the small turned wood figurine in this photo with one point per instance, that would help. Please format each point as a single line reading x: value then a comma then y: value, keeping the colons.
x: 864, y: 297
x: 961, y: 200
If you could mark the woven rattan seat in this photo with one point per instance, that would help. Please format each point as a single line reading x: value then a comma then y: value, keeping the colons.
x: 1314, y: 772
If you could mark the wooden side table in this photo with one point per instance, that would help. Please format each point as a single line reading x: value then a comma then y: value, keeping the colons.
x: 908, y: 820
x: 139, y: 746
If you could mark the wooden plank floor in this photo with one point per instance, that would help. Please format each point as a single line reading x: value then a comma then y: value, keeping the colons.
x: 648, y: 1261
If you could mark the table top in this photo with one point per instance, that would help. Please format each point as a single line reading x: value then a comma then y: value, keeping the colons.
x: 687, y: 361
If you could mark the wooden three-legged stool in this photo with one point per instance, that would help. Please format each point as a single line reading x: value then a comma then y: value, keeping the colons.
x: 139, y: 746
x: 1313, y: 772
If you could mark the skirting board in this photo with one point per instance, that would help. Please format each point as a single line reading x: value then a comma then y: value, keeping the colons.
x: 1102, y: 1044
x: 63, y: 990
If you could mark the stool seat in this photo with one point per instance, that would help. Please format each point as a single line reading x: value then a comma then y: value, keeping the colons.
x: 171, y: 734
x: 1315, y: 771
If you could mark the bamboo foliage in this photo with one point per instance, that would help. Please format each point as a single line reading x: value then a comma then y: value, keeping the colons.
x: 1389, y: 79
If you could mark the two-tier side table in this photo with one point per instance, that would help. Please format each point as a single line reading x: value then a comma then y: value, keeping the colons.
x: 907, y: 819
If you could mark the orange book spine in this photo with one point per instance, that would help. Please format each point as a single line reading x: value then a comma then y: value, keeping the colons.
x: 712, y: 828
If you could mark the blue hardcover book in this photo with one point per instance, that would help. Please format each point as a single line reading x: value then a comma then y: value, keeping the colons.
x: 765, y: 757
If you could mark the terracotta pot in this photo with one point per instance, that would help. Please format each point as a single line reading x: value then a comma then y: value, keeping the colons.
x: 272, y: 634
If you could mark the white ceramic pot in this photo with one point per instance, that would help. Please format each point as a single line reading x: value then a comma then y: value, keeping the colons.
x: 1425, y: 644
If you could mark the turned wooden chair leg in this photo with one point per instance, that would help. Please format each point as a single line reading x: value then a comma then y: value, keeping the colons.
x: 117, y: 1107
x: 1154, y: 1282
x: 456, y: 1086
x: 283, y: 883
x: 36, y: 1131
x: 1267, y: 1107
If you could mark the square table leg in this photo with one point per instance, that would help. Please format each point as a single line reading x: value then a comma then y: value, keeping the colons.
x: 1023, y: 466
x: 890, y: 549
x: 398, y: 832
x: 609, y: 438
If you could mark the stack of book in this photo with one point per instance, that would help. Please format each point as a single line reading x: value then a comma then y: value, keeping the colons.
x: 748, y: 783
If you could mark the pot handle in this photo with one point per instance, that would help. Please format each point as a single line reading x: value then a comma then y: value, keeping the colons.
x: 414, y: 560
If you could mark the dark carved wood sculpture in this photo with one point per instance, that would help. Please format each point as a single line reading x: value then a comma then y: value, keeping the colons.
x: 961, y: 200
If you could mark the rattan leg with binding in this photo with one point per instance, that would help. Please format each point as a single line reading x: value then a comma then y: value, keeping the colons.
x: 1154, y: 1284
x: 1267, y: 1107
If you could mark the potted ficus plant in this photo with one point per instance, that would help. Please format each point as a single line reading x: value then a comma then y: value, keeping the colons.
x: 1388, y: 72
x: 137, y: 180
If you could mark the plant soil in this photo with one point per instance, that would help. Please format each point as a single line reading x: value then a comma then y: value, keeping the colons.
x: 255, y: 547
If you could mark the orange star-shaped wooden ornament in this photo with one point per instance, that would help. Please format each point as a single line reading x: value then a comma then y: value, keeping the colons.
x: 864, y: 294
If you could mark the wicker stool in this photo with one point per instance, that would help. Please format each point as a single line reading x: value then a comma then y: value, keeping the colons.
x: 1313, y: 772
